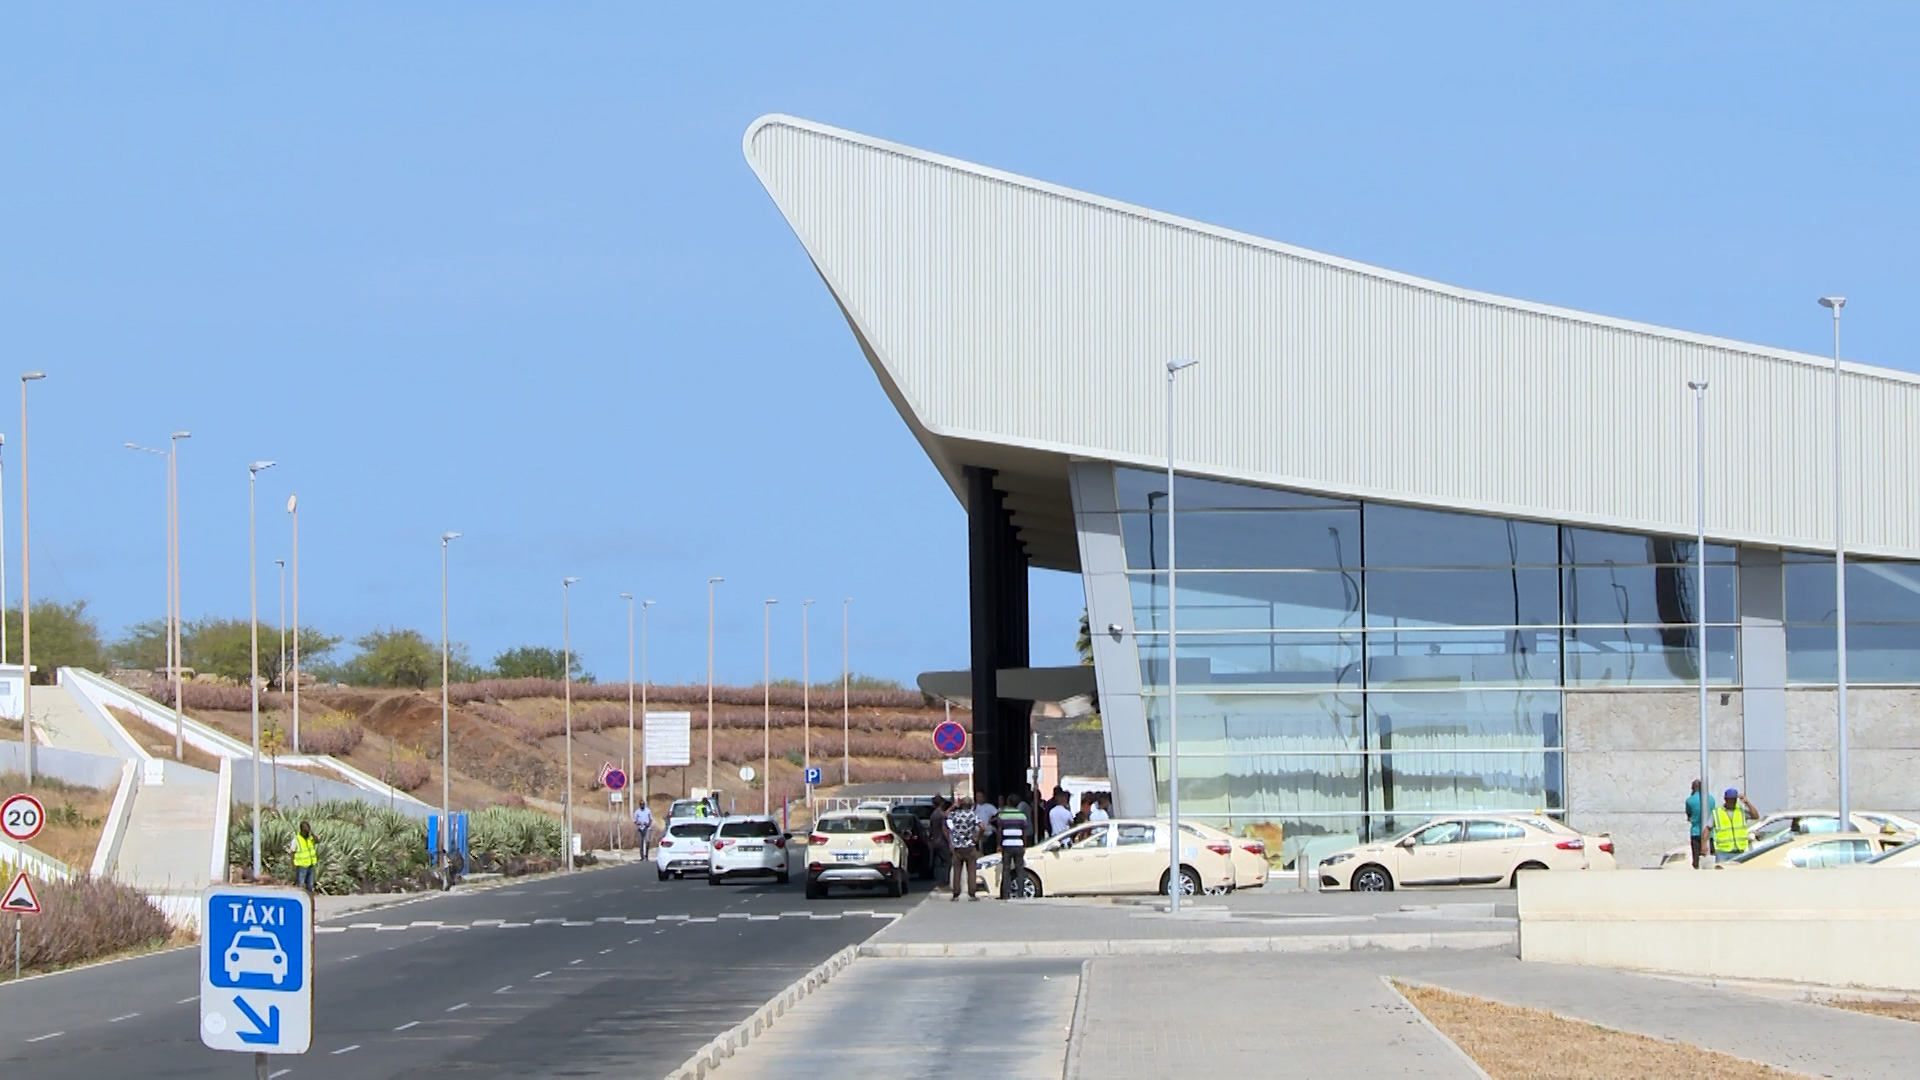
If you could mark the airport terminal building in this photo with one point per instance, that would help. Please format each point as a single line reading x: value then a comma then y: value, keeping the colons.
x: 1435, y: 546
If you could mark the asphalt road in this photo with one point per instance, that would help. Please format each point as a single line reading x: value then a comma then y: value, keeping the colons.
x: 608, y: 972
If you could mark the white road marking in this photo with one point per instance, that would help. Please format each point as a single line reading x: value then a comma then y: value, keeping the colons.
x: 557, y: 922
x: 458, y: 1007
x: 674, y: 918
x: 611, y: 918
x: 196, y: 997
x: 44, y: 1038
x: 544, y: 974
x: 274, y: 1075
x: 346, y: 1049
x: 635, y: 941
x: 763, y: 918
x: 572, y: 923
x: 328, y: 930
x: 640, y: 922
x: 504, y: 989
x: 117, y: 1019
x: 364, y: 926
x: 733, y: 915
x: 570, y: 963
x: 408, y: 1024
x: 488, y: 922
x: 604, y: 952
x: 513, y: 925
x: 703, y: 920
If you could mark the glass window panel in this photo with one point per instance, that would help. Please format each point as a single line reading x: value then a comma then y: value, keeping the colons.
x: 1143, y: 489
x: 1622, y: 595
x: 1602, y: 546
x: 1405, y: 536
x: 1412, y: 782
x: 1887, y: 654
x: 1503, y: 597
x: 1299, y: 600
x: 1477, y: 720
x: 1258, y: 723
x: 1650, y: 656
x: 1876, y: 592
x: 1436, y: 658
x: 1267, y: 784
x: 1246, y: 539
x: 1255, y: 661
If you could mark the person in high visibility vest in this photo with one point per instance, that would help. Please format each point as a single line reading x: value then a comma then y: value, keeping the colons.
x: 306, y: 858
x: 1730, y: 824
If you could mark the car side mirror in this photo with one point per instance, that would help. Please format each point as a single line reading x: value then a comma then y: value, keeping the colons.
x: 1407, y: 843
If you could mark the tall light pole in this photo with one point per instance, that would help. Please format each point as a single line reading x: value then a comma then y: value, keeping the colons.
x: 293, y: 512
x: 806, y: 707
x: 446, y: 711
x: 166, y: 629
x: 711, y: 582
x: 280, y: 663
x: 1174, y: 368
x: 173, y: 555
x: 1700, y: 581
x: 253, y: 647
x: 566, y: 678
x: 846, y: 682
x: 3, y: 554
x: 644, y: 605
x: 26, y: 590
x: 628, y: 597
x: 1834, y: 304
x: 766, y: 716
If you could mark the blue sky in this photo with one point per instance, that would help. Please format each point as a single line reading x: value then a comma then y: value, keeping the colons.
x: 502, y: 269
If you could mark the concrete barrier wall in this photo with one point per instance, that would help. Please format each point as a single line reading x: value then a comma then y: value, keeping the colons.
x: 71, y: 766
x: 1845, y: 927
x: 305, y: 789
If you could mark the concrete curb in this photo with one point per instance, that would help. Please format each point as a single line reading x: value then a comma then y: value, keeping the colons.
x: 736, y: 1038
x: 1070, y: 1068
x: 1296, y: 943
x: 1465, y: 1058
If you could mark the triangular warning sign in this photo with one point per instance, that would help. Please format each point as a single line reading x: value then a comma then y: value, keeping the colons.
x: 20, y: 898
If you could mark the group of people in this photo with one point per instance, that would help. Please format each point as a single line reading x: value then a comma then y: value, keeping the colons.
x: 964, y: 829
x: 1720, y: 831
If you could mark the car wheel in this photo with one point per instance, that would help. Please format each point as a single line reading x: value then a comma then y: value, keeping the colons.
x: 662, y: 873
x: 1514, y: 881
x: 816, y: 891
x: 906, y: 881
x: 713, y: 879
x: 1027, y: 886
x: 1189, y: 882
x: 780, y: 879
x: 1372, y: 878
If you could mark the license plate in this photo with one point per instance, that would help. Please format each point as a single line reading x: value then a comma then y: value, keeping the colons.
x: 751, y: 847
x: 850, y: 856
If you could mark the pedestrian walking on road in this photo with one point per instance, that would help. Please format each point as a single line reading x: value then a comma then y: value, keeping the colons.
x: 937, y: 838
x: 963, y: 836
x: 1730, y: 824
x: 1696, y: 808
x: 642, y: 824
x: 1014, y: 830
x: 306, y: 858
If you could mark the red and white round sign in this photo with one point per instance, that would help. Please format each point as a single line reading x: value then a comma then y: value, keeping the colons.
x: 21, y: 817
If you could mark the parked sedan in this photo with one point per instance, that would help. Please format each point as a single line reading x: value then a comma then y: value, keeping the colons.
x: 1249, y: 858
x: 1906, y: 856
x: 856, y: 848
x: 1817, y: 852
x: 1466, y: 849
x: 1117, y: 857
x: 1803, y: 823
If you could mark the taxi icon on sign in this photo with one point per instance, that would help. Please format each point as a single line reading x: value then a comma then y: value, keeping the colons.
x: 256, y: 952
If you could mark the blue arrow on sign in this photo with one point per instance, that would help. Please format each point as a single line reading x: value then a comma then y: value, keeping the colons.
x: 268, y: 1032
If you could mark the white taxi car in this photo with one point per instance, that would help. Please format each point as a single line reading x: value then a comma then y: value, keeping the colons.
x: 856, y: 848
x: 1121, y: 856
x: 685, y: 846
x: 1249, y: 856
x: 1466, y: 849
x: 748, y: 846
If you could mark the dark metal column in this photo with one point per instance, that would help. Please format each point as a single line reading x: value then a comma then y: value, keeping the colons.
x: 997, y: 587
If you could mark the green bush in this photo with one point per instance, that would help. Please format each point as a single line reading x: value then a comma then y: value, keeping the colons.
x: 505, y: 838
x: 367, y: 848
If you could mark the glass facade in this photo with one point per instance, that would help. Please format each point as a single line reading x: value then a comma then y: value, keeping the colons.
x: 1883, y: 621
x: 1348, y: 668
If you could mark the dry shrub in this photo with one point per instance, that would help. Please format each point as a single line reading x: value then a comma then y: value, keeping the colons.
x: 334, y: 733
x: 410, y: 771
x: 786, y: 696
x: 82, y: 920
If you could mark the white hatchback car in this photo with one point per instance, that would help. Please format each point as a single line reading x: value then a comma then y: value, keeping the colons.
x: 684, y: 847
x: 748, y: 846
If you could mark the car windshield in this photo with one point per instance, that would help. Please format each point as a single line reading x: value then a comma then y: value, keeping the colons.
x: 1761, y: 849
x: 852, y: 824
x: 749, y: 828
x: 1907, y: 848
x: 693, y: 829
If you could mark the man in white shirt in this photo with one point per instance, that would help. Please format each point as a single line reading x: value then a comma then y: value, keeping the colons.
x: 1059, y: 818
x: 1099, y: 811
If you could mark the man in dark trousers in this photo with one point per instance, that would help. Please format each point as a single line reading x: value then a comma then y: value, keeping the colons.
x: 963, y: 836
x: 1014, y: 831
x: 938, y: 839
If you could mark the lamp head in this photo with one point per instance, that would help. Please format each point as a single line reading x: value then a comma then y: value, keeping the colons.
x: 1701, y: 385
x: 182, y: 435
x: 644, y: 604
x: 30, y: 376
x: 1834, y: 302
x: 448, y: 536
x: 715, y: 580
x: 1174, y: 366
x: 564, y: 582
x: 627, y: 596
x: 281, y: 563
x: 771, y: 600
x: 259, y: 467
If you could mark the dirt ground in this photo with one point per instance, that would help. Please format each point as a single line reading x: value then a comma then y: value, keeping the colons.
x: 159, y: 743
x: 1897, y: 1010
x: 76, y: 816
x: 1529, y: 1044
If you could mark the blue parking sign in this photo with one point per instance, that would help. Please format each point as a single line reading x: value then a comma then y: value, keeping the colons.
x: 813, y: 774
x: 256, y: 969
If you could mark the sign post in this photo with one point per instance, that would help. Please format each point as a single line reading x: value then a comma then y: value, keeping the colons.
x: 256, y: 971
x: 615, y: 780
x: 21, y: 901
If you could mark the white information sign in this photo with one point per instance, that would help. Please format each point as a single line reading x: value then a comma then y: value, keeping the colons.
x: 256, y: 969
x: 669, y: 740
x: 957, y: 766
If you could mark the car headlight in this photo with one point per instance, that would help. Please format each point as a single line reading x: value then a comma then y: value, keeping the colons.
x: 1335, y: 860
x: 989, y: 862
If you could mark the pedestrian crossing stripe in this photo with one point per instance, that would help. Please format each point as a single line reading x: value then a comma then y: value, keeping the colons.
x: 20, y: 898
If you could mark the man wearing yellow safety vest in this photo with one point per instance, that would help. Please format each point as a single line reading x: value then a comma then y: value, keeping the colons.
x: 1730, y: 820
x: 306, y: 858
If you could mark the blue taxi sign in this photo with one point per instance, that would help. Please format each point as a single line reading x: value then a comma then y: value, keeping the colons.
x: 256, y: 969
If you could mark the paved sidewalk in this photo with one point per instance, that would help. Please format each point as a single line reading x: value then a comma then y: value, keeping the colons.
x: 886, y: 1019
x: 168, y: 845
x: 59, y: 721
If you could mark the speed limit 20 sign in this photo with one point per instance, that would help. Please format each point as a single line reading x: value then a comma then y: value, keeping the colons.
x: 21, y: 817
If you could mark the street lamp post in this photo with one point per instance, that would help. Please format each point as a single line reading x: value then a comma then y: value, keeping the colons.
x: 177, y: 659
x: 3, y: 554
x: 280, y: 662
x: 711, y: 582
x: 766, y: 715
x: 26, y: 590
x: 628, y: 597
x: 166, y: 629
x: 1700, y: 584
x: 566, y: 678
x: 1834, y: 304
x: 446, y: 712
x: 806, y: 707
x: 293, y: 512
x: 644, y: 605
x: 253, y: 647
x: 846, y: 710
x: 1174, y: 367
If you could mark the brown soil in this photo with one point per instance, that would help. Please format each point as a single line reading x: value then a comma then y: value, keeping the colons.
x: 11, y: 729
x: 76, y: 816
x: 1522, y: 1044
x: 1898, y: 1010
x: 160, y: 744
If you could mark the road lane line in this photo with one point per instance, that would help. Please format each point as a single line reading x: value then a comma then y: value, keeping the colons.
x: 346, y: 1050
x: 504, y: 989
x: 604, y: 952
x: 570, y: 963
x: 117, y: 1019
x: 635, y: 941
x: 408, y: 1024
x: 277, y: 1073
x: 44, y: 1038
x: 186, y: 1001
x: 458, y: 1007
x: 543, y: 975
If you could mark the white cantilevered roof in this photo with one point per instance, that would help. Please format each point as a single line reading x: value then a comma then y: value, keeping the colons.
x: 1017, y: 324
